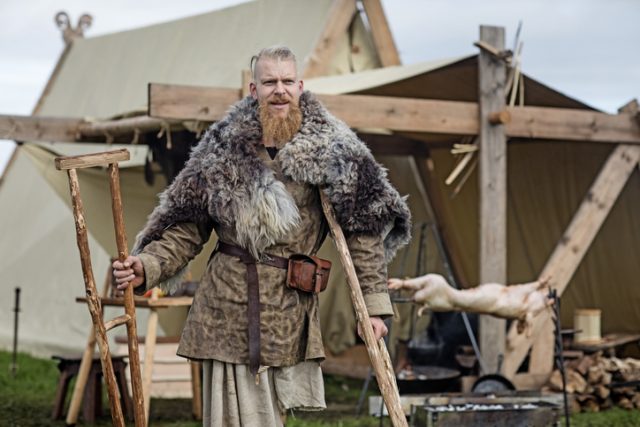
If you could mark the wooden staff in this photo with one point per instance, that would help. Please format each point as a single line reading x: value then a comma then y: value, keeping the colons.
x: 377, y: 350
x: 93, y: 301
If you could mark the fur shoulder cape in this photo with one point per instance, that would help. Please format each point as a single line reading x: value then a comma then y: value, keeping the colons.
x: 225, y: 182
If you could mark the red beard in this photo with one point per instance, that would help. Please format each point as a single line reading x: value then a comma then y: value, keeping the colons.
x: 280, y: 129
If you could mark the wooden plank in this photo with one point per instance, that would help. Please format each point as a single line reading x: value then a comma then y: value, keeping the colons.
x: 573, y: 245
x: 492, y: 174
x: 190, y: 102
x: 336, y: 26
x: 403, y: 114
x: 91, y: 160
x: 411, y: 115
x: 572, y: 125
x: 382, y: 37
x: 31, y: 128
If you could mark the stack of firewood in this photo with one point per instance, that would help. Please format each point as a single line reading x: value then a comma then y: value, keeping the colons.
x: 596, y: 382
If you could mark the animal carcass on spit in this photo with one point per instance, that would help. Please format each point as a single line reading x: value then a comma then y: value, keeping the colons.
x: 520, y: 302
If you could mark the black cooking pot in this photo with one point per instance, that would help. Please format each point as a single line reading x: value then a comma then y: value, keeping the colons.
x: 430, y: 379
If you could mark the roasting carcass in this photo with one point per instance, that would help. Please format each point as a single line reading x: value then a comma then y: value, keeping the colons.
x: 520, y: 302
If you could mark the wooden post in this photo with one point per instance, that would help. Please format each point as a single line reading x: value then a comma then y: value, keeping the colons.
x: 377, y: 350
x: 492, y: 188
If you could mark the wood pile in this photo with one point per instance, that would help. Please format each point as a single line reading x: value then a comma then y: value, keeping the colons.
x: 596, y: 383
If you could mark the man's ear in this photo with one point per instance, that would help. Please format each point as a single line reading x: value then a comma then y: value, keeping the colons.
x: 301, y: 84
x: 253, y: 90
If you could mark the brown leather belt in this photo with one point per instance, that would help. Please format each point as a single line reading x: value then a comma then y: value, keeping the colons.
x: 253, y: 294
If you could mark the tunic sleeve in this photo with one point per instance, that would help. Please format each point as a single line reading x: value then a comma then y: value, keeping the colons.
x: 166, y: 257
x: 367, y: 252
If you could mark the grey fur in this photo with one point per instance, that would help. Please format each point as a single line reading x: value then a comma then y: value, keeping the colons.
x: 224, y: 181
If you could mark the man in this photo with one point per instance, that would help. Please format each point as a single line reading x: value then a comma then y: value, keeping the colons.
x: 254, y: 179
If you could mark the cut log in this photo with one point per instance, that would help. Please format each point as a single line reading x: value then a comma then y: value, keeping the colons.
x: 584, y: 364
x: 602, y: 391
x: 625, y: 403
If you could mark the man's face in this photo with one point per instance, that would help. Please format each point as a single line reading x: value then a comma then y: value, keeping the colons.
x: 276, y: 86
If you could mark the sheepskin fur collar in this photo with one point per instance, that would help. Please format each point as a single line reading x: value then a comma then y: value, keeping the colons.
x: 225, y: 182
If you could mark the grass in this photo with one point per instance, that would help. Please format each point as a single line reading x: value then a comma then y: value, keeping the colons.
x: 27, y: 400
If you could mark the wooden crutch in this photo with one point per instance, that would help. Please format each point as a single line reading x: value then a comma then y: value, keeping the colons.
x: 377, y: 350
x: 70, y: 164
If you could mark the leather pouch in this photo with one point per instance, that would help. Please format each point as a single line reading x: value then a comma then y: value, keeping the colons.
x: 308, y: 273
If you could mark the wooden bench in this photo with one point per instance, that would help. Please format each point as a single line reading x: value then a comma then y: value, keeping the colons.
x: 92, y: 399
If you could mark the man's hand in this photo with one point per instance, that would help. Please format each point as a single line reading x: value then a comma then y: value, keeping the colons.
x: 131, y: 271
x: 379, y: 328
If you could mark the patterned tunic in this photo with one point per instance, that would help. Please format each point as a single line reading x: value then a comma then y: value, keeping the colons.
x: 217, y: 324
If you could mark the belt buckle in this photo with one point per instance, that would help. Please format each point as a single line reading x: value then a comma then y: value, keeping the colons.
x: 265, y: 258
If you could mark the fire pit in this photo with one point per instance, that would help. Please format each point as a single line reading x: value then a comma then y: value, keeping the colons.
x: 479, y: 411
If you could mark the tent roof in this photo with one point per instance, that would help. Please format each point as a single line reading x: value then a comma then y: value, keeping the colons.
x: 107, y: 75
x: 453, y: 79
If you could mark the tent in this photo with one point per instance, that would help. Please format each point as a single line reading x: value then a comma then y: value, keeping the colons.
x: 107, y: 77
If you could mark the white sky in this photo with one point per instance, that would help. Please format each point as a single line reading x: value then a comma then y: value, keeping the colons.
x: 587, y: 49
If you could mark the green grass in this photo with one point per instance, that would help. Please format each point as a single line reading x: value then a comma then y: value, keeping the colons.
x: 27, y: 400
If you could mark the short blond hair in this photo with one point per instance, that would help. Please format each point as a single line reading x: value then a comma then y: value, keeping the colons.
x: 279, y: 52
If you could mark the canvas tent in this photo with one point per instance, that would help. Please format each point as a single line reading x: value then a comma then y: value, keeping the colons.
x: 547, y: 180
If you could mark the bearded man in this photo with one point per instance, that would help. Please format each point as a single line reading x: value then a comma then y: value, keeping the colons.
x: 254, y: 179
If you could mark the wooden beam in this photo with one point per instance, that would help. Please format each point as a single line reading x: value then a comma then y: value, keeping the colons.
x: 573, y: 245
x: 190, y: 102
x: 572, y: 125
x: 336, y: 26
x: 492, y: 74
x: 412, y: 115
x: 382, y: 37
x: 33, y: 128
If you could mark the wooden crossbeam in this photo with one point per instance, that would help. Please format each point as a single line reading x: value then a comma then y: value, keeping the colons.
x: 382, y: 37
x: 30, y: 128
x: 173, y: 103
x: 336, y: 26
x: 572, y: 247
x: 412, y: 115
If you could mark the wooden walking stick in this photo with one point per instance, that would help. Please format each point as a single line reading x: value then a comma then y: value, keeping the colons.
x: 70, y: 164
x: 377, y: 350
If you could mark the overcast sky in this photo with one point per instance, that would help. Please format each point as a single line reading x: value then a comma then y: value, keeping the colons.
x: 587, y: 49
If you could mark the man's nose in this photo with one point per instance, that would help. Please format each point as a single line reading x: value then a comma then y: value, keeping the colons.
x: 279, y: 87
